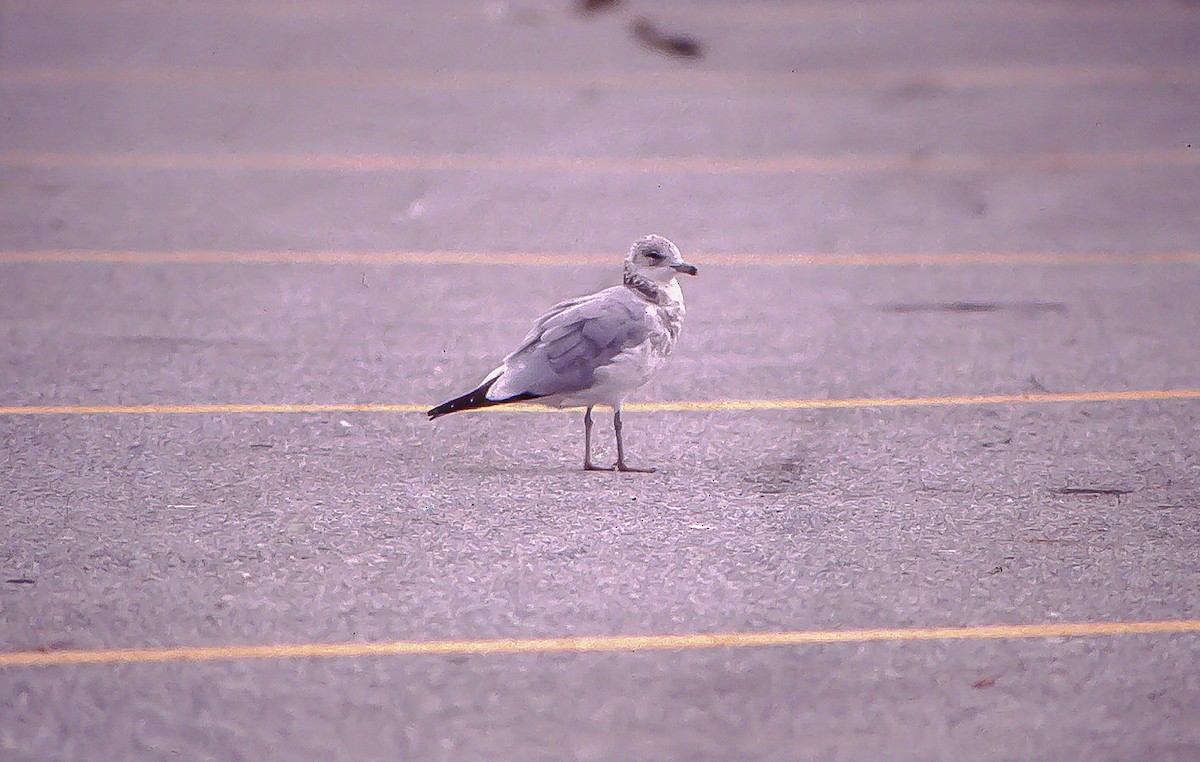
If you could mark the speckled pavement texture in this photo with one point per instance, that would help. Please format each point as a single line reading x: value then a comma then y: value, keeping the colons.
x: 1040, y: 153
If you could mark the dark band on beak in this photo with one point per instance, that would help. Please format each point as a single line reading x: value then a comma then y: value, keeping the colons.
x: 685, y: 268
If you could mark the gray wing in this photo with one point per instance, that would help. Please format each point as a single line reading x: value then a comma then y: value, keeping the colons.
x: 569, y: 343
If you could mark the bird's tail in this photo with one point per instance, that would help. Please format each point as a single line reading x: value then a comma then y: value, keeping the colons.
x: 475, y: 399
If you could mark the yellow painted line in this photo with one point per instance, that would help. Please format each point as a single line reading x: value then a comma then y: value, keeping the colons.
x: 681, y: 406
x: 541, y: 259
x: 770, y: 14
x: 316, y: 257
x: 949, y: 401
x: 812, y: 165
x: 968, y: 78
x: 748, y: 15
x: 213, y: 409
x: 596, y: 644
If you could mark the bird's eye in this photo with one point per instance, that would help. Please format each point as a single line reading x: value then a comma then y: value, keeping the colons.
x: 654, y: 254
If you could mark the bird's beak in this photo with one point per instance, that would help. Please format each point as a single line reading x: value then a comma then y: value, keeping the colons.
x: 685, y: 268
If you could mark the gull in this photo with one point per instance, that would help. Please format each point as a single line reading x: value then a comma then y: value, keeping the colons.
x: 594, y: 349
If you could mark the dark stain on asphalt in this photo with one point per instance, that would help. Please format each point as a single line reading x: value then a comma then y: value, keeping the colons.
x: 778, y: 478
x: 917, y: 88
x: 588, y: 7
x: 649, y: 34
x: 1093, y: 491
x: 1026, y: 308
x: 20, y: 581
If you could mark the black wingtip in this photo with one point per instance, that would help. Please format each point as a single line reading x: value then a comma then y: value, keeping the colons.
x: 465, y: 402
x: 474, y: 400
x: 446, y: 408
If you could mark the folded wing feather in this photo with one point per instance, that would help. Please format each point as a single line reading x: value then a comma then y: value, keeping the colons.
x: 568, y: 344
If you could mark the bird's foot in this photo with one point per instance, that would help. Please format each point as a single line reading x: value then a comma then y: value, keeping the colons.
x: 624, y: 467
x: 589, y: 466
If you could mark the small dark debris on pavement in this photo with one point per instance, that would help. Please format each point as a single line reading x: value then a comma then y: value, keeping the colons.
x: 1093, y: 491
x: 1023, y: 307
x: 19, y: 581
x: 589, y: 7
x: 1036, y: 384
x: 984, y: 682
x: 681, y: 45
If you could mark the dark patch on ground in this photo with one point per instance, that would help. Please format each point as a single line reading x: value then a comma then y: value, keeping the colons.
x: 778, y: 478
x: 1093, y: 491
x: 1028, y: 308
x: 589, y: 7
x: 649, y: 34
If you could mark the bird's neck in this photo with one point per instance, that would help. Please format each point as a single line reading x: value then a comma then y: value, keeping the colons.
x: 662, y: 294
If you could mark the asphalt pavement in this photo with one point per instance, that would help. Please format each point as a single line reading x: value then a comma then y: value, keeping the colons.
x: 928, y: 475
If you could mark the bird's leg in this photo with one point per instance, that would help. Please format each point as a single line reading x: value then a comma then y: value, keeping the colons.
x: 621, y: 465
x: 587, y: 444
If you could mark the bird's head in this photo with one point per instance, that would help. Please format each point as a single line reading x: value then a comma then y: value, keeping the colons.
x: 657, y: 259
